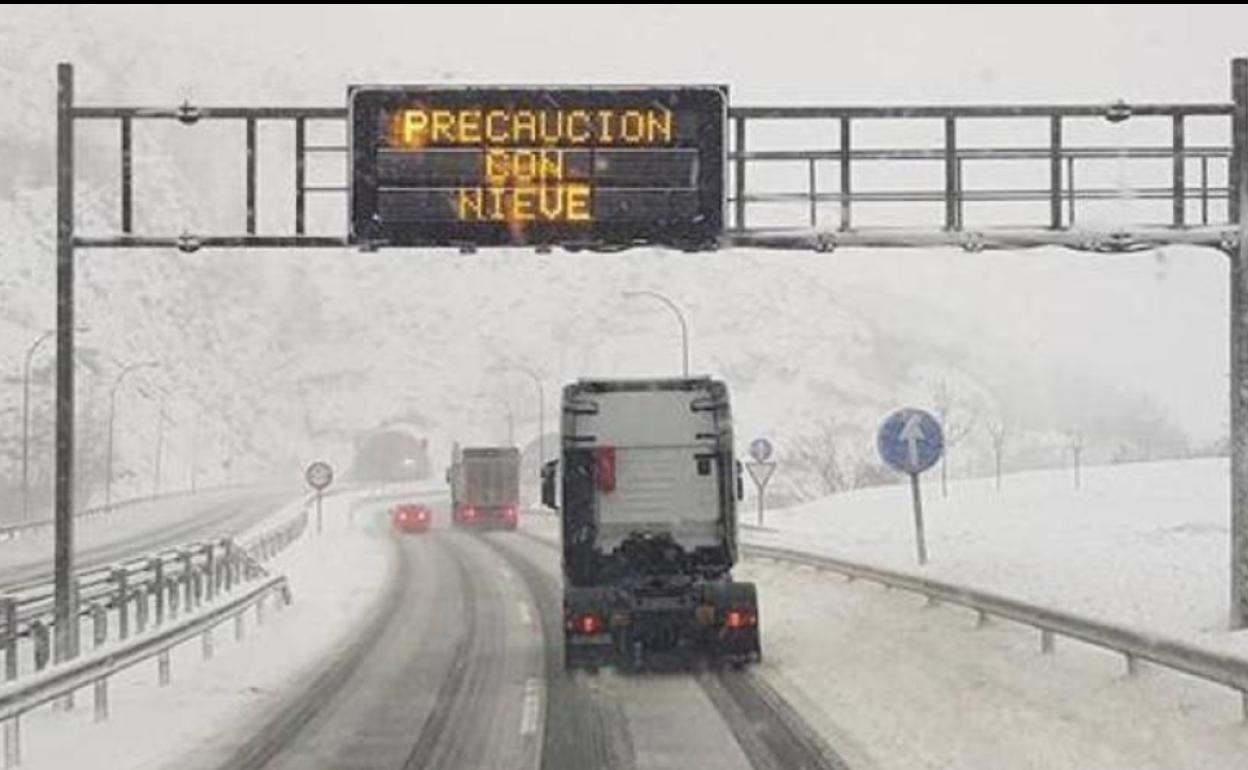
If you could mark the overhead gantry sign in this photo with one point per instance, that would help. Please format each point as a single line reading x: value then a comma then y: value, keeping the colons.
x: 609, y: 168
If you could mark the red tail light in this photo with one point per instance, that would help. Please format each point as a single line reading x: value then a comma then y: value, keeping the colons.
x: 588, y: 624
x: 737, y: 619
x: 604, y: 468
x: 468, y: 512
x: 509, y: 513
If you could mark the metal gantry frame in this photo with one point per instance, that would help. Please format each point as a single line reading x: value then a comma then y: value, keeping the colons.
x: 1061, y: 195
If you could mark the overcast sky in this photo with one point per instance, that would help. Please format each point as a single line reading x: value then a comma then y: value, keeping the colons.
x: 769, y: 54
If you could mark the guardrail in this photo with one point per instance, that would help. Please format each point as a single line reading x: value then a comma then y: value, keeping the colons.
x: 1134, y: 645
x: 138, y: 593
x: 95, y: 668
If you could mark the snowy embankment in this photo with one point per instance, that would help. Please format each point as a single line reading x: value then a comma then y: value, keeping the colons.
x: 1144, y: 545
x: 130, y: 521
x: 337, y: 581
x: 895, y: 684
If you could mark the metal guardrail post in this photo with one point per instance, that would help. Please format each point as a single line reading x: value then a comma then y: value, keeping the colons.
x: 8, y: 611
x: 1055, y: 172
x: 1179, y: 173
x: 43, y: 652
x: 206, y: 644
x: 162, y: 668
x: 157, y: 566
x: 1133, y: 664
x: 170, y: 587
x: 210, y: 572
x: 187, y: 578
x: 260, y: 610
x: 99, y: 624
x: 122, y: 601
x: 239, y: 631
x: 227, y: 569
x: 814, y: 193
x: 222, y: 565
x: 951, y: 173
x: 981, y: 618
x: 99, y: 634
x: 140, y: 607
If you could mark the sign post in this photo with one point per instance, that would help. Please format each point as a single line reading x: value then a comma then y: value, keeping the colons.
x: 760, y: 470
x: 911, y: 441
x: 319, y: 475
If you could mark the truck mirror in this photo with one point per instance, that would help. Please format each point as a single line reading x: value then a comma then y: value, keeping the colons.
x: 549, y: 497
x: 740, y: 482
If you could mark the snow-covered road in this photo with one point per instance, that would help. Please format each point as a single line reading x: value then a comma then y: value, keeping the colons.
x: 442, y: 650
x: 466, y: 672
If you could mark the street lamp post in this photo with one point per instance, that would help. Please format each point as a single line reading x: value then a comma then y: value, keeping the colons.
x: 193, y: 451
x: 684, y: 327
x: 541, y: 411
x: 511, y: 422
x: 160, y: 448
x: 30, y: 355
x: 112, y: 415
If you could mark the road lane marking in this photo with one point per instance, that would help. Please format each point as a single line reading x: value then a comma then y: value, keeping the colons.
x: 532, y: 704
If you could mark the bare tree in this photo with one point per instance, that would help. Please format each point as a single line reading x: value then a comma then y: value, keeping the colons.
x: 816, y: 455
x: 996, y: 431
x: 955, y: 428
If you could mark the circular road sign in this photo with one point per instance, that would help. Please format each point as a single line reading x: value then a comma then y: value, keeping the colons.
x: 319, y: 475
x: 910, y: 440
x: 760, y: 450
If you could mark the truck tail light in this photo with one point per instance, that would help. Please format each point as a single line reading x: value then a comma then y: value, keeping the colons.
x: 467, y: 513
x: 587, y: 624
x: 604, y: 468
x: 738, y: 619
x: 509, y: 513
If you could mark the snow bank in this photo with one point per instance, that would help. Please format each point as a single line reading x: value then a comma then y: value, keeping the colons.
x: 1145, y: 545
x: 336, y: 579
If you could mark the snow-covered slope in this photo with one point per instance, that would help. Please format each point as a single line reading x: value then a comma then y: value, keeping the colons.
x: 271, y: 358
x: 1142, y: 544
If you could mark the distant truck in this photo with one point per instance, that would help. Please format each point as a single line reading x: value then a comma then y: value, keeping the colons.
x: 485, y: 487
x: 649, y: 487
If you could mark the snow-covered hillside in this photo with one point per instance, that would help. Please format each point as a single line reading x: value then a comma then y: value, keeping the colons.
x: 1142, y: 544
x: 268, y: 359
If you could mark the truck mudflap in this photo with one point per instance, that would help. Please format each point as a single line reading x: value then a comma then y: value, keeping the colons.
x: 709, y: 623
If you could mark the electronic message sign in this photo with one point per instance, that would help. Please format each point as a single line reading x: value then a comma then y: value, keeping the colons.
x: 579, y: 167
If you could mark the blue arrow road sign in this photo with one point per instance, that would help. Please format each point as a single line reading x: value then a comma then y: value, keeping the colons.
x: 911, y: 440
